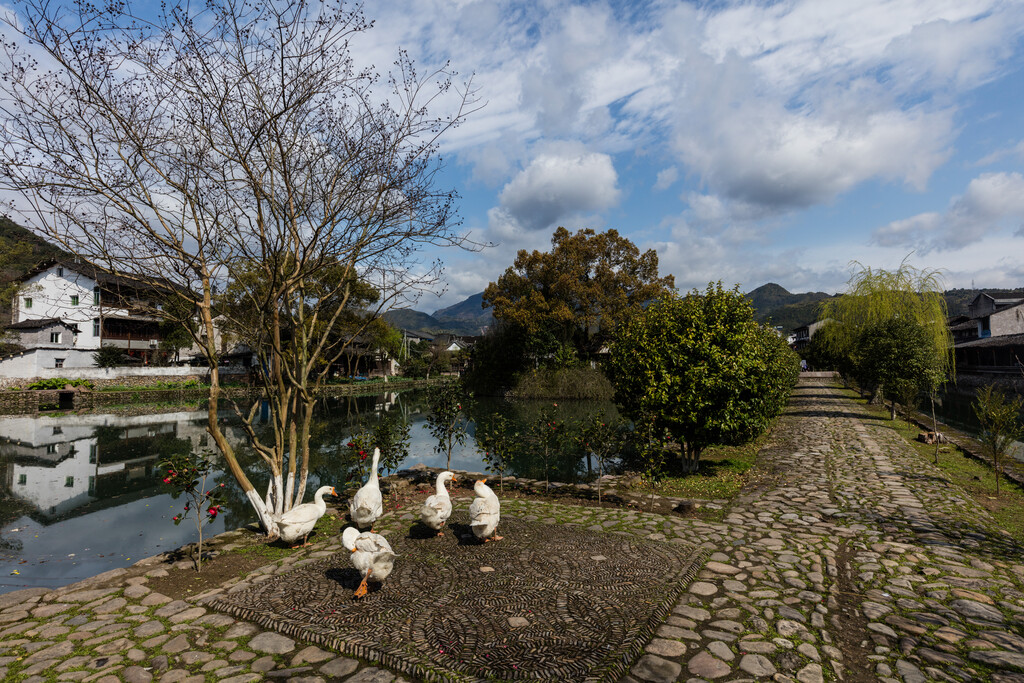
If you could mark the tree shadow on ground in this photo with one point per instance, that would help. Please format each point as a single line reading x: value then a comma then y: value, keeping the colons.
x: 917, y: 476
x: 835, y: 413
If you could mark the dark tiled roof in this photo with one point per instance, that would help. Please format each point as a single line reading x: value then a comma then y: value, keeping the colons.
x: 1001, y: 340
x: 100, y: 275
x: 39, y: 323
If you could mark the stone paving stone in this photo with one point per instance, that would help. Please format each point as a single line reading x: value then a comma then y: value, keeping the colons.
x: 340, y: 667
x: 272, y: 643
x: 372, y: 675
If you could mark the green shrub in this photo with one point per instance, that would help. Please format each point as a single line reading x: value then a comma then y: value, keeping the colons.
x: 579, y: 382
x: 59, y: 383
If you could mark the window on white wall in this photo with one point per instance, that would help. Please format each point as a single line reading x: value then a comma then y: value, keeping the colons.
x: 28, y: 302
x: 60, y: 272
x: 55, y: 337
x: 58, y: 362
x: 95, y: 327
x: 95, y: 296
x: 74, y: 299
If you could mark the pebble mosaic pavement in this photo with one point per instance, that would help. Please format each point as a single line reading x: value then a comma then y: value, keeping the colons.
x: 861, y: 564
x: 547, y: 603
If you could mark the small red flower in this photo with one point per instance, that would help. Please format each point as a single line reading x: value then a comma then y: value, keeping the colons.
x: 167, y: 480
x: 175, y: 519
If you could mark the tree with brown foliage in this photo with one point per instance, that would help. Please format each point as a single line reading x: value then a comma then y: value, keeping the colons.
x: 576, y: 294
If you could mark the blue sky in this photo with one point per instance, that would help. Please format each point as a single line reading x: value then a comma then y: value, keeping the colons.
x: 750, y: 142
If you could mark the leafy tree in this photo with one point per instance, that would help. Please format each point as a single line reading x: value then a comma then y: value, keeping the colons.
x: 186, y: 474
x: 1001, y: 425
x: 874, y: 297
x: 447, y: 420
x: 577, y: 293
x: 601, y: 438
x: 426, y: 358
x: 700, y: 368
x: 498, y: 439
x: 894, y: 354
x: 547, y: 434
x: 225, y: 139
x: 109, y: 356
x: 390, y: 435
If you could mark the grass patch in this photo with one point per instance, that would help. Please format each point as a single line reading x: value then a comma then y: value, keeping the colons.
x: 327, y: 526
x: 724, y: 471
x: 975, y: 478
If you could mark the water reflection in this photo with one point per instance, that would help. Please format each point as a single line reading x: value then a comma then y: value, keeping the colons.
x: 80, y: 494
x: 956, y: 408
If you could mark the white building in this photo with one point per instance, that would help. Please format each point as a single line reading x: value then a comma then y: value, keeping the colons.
x: 65, y: 310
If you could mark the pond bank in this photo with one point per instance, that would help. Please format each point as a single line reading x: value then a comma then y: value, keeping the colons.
x: 30, y: 401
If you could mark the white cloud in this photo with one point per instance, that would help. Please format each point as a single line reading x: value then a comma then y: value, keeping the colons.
x: 561, y: 181
x: 666, y: 178
x: 1011, y: 151
x: 992, y: 202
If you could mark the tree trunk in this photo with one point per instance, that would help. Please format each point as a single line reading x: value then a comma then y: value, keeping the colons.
x: 263, y: 513
x: 690, y: 458
x: 935, y: 427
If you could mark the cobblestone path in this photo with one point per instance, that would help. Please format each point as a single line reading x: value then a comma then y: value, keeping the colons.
x: 859, y: 564
x: 862, y: 564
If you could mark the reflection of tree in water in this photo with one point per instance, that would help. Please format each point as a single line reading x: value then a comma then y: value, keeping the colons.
x: 569, y: 464
x: 330, y: 461
x: 11, y: 508
x: 338, y: 418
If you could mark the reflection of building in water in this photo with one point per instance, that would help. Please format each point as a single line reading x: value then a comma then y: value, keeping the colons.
x: 60, y: 464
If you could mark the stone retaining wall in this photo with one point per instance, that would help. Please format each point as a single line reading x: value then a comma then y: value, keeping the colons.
x: 22, y: 402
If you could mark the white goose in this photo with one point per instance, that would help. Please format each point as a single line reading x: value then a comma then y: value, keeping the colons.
x: 300, y: 520
x: 371, y: 556
x: 438, y: 508
x: 485, y: 512
x: 367, y: 505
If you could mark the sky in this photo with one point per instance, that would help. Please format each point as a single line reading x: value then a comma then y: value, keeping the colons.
x: 747, y: 142
x: 744, y: 141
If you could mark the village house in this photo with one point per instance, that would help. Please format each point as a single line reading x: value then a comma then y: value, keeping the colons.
x: 991, y: 339
x: 66, y: 310
x: 804, y: 334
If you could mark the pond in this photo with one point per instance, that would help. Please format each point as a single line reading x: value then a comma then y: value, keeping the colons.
x: 80, y: 493
x: 956, y: 408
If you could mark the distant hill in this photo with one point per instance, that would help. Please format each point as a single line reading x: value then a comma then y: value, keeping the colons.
x: 414, y: 321
x: 464, y: 318
x: 468, y: 314
x: 39, y: 250
x: 773, y: 303
x: 15, y: 264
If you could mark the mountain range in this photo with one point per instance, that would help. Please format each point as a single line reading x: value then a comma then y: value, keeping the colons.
x: 466, y: 318
x: 772, y: 303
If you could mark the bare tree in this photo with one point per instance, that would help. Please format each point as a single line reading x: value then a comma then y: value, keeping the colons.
x: 235, y: 144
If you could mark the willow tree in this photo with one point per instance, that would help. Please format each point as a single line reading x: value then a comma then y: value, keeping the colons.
x: 174, y: 150
x: 874, y: 299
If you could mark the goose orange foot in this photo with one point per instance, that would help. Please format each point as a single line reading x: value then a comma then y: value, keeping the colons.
x: 361, y: 591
